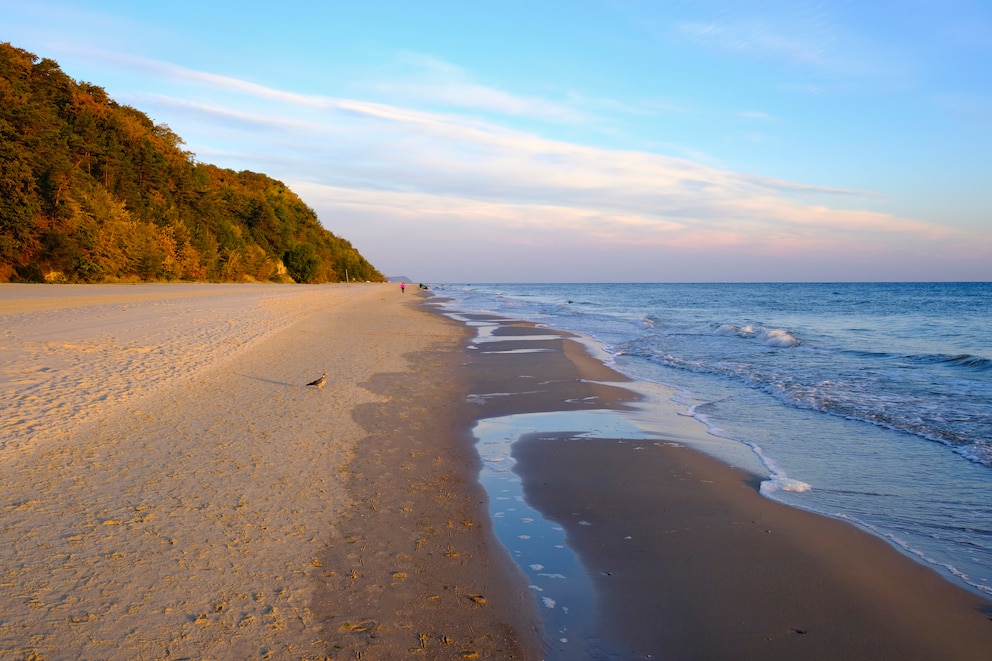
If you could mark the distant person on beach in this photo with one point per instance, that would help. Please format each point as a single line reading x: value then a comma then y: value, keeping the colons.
x: 423, y: 286
x: 403, y: 287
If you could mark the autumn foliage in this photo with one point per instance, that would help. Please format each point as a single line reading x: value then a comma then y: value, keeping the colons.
x: 94, y: 191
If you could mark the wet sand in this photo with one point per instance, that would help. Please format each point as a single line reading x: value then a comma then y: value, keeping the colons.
x: 686, y: 558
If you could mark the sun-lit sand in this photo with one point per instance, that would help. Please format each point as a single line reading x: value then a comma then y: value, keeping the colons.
x: 170, y: 485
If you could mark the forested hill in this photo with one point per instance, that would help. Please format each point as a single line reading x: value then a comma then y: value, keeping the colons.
x: 94, y: 191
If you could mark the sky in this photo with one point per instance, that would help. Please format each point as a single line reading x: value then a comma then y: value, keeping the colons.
x: 582, y: 140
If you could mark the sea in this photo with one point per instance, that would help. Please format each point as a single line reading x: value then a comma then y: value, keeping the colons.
x: 868, y: 402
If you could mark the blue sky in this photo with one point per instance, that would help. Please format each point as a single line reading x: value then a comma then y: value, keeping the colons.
x: 588, y: 140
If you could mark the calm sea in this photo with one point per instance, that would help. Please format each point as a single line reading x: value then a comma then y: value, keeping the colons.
x: 868, y: 402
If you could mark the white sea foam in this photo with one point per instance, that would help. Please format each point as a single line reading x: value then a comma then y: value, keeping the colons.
x: 980, y: 453
x: 779, y: 338
x: 778, y: 481
x: 773, y: 337
x: 782, y: 483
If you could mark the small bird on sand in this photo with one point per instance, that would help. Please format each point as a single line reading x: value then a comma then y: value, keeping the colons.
x: 319, y: 382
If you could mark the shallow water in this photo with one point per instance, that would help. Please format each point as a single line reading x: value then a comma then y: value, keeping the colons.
x: 868, y: 402
x: 558, y: 580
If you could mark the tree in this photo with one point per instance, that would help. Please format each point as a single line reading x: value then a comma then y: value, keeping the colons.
x: 98, y: 191
x: 301, y: 262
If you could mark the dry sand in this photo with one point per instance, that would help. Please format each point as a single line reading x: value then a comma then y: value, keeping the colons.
x: 172, y: 490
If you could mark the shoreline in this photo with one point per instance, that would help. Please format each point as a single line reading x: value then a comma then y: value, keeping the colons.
x: 413, y: 566
x: 686, y: 557
x: 173, y: 489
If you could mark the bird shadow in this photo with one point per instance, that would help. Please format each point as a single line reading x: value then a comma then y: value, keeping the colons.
x: 277, y: 383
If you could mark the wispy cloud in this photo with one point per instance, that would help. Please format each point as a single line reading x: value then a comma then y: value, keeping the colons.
x: 165, y: 72
x: 446, y: 155
x: 760, y: 38
x: 421, y: 78
x: 377, y: 169
x: 461, y: 238
x: 808, y: 37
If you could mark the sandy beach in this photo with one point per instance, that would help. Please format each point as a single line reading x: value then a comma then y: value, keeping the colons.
x: 173, y: 490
